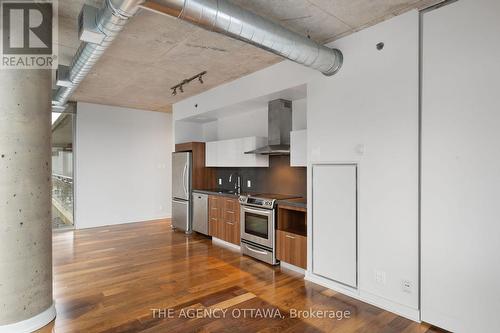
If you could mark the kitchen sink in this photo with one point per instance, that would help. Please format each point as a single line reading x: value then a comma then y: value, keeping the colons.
x: 226, y: 192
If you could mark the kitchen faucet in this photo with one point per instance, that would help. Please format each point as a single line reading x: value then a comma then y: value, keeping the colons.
x: 237, y: 185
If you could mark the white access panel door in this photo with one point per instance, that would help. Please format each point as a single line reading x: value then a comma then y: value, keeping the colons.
x: 460, y: 226
x: 334, y: 227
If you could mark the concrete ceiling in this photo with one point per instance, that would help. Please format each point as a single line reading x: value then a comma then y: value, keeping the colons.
x: 155, y: 52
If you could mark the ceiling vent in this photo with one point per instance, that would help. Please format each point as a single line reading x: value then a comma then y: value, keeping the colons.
x: 87, y: 27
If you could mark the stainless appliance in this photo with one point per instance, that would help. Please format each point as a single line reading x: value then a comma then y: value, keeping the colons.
x: 279, y: 126
x: 181, y: 191
x: 200, y: 213
x: 258, y: 226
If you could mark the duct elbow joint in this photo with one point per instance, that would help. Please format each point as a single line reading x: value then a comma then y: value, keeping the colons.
x: 338, y: 60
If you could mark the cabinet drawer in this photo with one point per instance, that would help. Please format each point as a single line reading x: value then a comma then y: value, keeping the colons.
x: 292, y: 248
x: 232, y: 232
x: 214, y: 216
x: 231, y: 218
x: 214, y: 206
x: 231, y: 211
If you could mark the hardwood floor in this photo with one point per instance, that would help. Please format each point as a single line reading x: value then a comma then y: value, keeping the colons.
x: 113, y: 279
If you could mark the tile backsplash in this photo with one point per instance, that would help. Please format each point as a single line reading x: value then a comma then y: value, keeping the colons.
x: 279, y: 178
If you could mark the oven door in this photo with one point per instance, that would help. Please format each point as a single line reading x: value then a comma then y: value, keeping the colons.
x: 257, y: 226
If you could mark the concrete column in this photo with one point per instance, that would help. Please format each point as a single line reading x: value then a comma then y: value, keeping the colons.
x: 25, y: 200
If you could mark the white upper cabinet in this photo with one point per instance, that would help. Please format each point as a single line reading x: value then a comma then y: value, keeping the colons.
x: 231, y: 153
x: 298, y: 148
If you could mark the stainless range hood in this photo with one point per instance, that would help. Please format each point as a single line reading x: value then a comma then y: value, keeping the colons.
x: 279, y: 127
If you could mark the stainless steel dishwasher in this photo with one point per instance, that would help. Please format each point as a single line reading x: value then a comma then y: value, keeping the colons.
x: 200, y: 213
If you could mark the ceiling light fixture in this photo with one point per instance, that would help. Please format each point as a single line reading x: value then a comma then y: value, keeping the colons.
x: 180, y: 85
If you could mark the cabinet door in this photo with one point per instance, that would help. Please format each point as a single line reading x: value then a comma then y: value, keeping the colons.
x: 298, y: 148
x: 334, y: 223
x: 214, y: 213
x: 231, y: 220
x: 291, y: 248
x: 231, y: 153
x: 252, y: 160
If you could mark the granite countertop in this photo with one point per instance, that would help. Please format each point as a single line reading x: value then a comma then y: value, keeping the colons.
x: 297, y: 202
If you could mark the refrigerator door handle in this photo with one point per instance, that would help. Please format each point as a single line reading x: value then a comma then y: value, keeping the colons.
x: 184, y: 180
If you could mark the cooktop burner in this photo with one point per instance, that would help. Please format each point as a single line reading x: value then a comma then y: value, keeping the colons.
x: 274, y: 196
x: 264, y: 200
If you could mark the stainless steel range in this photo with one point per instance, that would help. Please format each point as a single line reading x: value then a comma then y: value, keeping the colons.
x: 258, y: 226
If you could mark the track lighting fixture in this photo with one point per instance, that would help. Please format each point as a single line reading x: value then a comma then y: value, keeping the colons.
x: 180, y: 85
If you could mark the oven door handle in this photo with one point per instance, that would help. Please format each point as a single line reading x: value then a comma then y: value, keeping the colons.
x: 254, y: 250
x: 257, y: 211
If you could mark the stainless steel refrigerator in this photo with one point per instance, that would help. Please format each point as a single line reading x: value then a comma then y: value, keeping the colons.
x: 181, y: 191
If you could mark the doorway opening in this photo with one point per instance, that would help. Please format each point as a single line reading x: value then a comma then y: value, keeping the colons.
x: 63, y: 124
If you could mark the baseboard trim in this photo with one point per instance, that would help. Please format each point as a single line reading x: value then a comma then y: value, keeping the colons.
x: 223, y: 243
x: 380, y: 302
x: 156, y: 219
x: 292, y: 268
x: 31, y: 324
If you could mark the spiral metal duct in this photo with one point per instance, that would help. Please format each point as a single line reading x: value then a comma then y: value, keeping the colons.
x: 215, y: 15
x: 231, y: 20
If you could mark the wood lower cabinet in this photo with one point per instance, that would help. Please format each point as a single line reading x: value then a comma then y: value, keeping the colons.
x: 291, y: 236
x: 224, y: 218
x: 291, y: 248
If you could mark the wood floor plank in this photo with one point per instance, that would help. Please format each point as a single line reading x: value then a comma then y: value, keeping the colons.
x: 110, y: 279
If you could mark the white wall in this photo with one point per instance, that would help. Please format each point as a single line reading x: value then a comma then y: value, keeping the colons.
x: 461, y: 167
x: 368, y: 114
x: 370, y: 105
x: 242, y: 124
x: 253, y: 123
x: 188, y: 131
x: 123, y: 165
x: 273, y: 79
x: 299, y: 114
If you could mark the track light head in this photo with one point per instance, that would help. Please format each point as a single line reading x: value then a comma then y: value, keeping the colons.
x: 181, y: 88
x: 200, y: 78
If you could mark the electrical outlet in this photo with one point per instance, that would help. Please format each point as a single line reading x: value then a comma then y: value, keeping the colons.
x: 220, y: 181
x: 379, y: 277
x: 406, y: 286
x: 249, y: 183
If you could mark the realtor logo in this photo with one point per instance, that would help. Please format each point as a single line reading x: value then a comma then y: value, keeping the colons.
x: 28, y: 31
